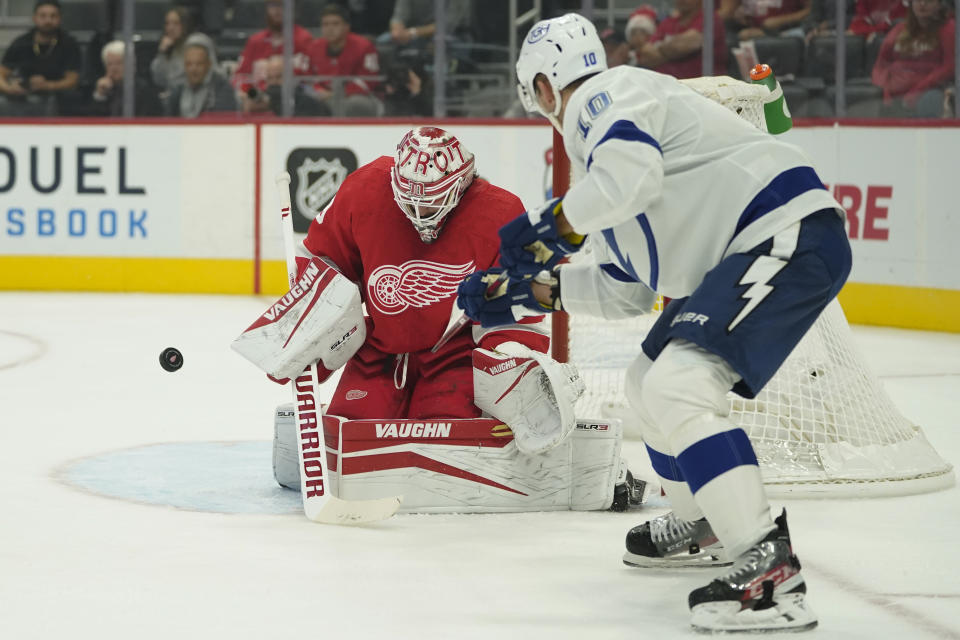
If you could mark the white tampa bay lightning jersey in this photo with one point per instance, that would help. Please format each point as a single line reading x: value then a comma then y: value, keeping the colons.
x: 674, y: 182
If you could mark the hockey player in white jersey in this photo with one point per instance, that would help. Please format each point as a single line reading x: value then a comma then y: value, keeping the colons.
x: 686, y: 199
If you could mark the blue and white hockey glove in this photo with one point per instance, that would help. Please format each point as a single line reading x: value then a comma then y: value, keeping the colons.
x: 493, y: 299
x: 531, y: 243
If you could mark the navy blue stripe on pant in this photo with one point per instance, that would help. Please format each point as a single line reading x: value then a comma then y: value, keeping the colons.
x: 713, y: 456
x: 665, y: 466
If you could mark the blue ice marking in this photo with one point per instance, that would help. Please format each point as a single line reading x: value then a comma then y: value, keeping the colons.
x: 219, y: 477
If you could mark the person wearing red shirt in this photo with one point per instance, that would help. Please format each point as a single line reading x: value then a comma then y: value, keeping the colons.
x: 872, y: 17
x: 338, y: 52
x: 675, y: 47
x: 770, y: 17
x: 641, y: 25
x: 916, y: 61
x: 252, y: 65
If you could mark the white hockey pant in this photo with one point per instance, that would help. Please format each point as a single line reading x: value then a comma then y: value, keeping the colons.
x: 679, y: 494
x: 681, y: 399
x: 458, y: 466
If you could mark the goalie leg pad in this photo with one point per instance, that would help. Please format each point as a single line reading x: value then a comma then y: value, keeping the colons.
x: 528, y: 390
x: 319, y: 320
x: 459, y: 466
x: 595, y: 464
x: 286, y: 465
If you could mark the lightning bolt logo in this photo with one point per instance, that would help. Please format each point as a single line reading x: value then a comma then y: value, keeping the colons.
x: 757, y: 276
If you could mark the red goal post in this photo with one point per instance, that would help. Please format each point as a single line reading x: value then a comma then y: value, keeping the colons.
x: 560, y: 321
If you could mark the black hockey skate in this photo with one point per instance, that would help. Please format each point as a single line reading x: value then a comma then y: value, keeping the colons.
x: 668, y: 541
x: 764, y: 591
x: 629, y: 493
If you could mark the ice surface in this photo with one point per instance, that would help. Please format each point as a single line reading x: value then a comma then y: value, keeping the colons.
x: 80, y: 565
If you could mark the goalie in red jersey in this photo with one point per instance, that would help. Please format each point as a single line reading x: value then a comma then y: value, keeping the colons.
x: 408, y: 230
x: 411, y: 411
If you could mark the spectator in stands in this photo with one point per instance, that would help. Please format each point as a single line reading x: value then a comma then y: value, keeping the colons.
x: 371, y: 16
x: 40, y: 66
x: 640, y: 27
x: 874, y: 18
x: 269, y: 100
x: 758, y: 18
x: 916, y: 61
x: 107, y: 98
x: 209, y: 14
x: 338, y: 52
x: 413, y: 23
x: 616, y: 47
x: 166, y: 68
x: 676, y: 46
x: 408, y: 89
x: 204, y: 91
x: 822, y: 20
x: 252, y: 65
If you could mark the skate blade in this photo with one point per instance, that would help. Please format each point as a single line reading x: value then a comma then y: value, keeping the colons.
x: 704, y: 559
x: 791, y: 613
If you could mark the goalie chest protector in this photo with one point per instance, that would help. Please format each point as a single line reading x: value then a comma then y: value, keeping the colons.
x: 409, y: 286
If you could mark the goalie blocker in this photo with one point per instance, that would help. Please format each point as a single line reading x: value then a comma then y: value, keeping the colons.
x: 319, y: 320
x: 463, y: 465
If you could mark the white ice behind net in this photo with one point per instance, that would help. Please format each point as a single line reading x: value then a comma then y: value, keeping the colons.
x: 822, y: 425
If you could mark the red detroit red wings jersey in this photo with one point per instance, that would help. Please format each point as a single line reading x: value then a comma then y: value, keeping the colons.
x: 264, y: 44
x: 409, y: 286
x: 357, y: 58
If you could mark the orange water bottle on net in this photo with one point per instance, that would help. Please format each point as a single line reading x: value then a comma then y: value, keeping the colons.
x: 774, y: 106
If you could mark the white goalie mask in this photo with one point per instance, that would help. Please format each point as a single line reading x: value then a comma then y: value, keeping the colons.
x: 431, y: 172
x: 564, y: 50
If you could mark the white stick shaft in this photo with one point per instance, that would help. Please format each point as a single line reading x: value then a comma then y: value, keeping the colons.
x: 316, y: 486
x: 304, y: 387
x: 286, y: 220
x: 456, y: 323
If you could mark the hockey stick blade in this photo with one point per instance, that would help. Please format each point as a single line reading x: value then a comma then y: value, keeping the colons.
x: 350, y: 512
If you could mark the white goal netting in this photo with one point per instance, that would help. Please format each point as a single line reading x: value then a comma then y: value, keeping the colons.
x: 822, y: 426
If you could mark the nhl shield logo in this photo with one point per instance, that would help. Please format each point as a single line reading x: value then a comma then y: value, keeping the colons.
x: 318, y: 183
x: 317, y: 174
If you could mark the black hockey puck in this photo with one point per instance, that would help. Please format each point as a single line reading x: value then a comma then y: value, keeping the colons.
x: 171, y: 359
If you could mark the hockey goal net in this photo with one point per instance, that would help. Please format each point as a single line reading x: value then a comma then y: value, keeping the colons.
x: 822, y: 426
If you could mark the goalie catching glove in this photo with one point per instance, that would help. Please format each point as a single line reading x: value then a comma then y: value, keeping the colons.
x: 319, y: 320
x: 531, y: 243
x: 529, y: 391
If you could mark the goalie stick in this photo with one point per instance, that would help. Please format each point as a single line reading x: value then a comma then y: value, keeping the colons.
x: 458, y: 320
x: 319, y: 505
